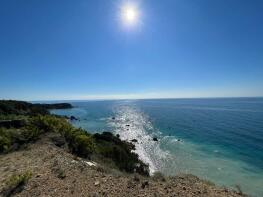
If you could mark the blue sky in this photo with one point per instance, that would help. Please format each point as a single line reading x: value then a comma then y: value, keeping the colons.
x: 65, y: 49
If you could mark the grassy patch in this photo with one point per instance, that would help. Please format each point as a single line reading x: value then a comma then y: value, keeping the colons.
x: 5, y: 141
x: 16, y: 183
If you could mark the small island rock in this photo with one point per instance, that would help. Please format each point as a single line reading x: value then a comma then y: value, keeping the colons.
x: 134, y: 140
x: 155, y: 139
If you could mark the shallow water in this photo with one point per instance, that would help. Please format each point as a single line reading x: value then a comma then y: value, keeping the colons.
x: 217, y: 139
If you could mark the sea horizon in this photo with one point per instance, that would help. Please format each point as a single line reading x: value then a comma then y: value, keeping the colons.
x: 176, y: 98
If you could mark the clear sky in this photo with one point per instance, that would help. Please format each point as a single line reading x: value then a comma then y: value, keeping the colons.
x: 82, y: 49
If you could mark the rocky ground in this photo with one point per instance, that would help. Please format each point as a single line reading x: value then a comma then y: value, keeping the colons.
x: 55, y: 172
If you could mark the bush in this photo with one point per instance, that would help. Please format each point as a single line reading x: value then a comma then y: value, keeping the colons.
x: 79, y: 141
x: 16, y: 183
x: 120, y: 152
x: 35, y: 126
x: 5, y: 140
x: 83, y: 145
x: 48, y: 123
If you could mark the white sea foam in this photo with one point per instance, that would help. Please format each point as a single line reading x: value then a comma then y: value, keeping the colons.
x: 130, y: 123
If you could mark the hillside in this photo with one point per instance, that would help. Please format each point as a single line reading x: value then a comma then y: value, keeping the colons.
x: 47, y: 156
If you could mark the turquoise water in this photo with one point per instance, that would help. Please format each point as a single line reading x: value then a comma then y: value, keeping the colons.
x: 217, y: 139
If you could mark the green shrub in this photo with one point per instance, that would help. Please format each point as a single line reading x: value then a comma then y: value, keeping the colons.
x: 120, y: 152
x: 35, y: 126
x: 48, y: 123
x: 79, y: 141
x: 43, y: 123
x: 5, y: 140
x: 12, y: 139
x: 19, y: 179
x: 12, y: 117
x: 58, y: 171
x: 83, y: 145
x: 16, y: 183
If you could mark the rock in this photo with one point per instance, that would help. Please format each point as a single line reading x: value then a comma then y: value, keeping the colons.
x: 95, y: 195
x: 134, y: 140
x: 15, y: 146
x: 144, y: 184
x: 73, y: 118
x: 89, y: 163
x: 118, y: 135
x: 136, y: 178
x: 113, y: 118
x: 58, y: 141
x: 155, y: 139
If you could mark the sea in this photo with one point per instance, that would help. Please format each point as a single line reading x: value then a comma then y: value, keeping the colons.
x: 217, y: 139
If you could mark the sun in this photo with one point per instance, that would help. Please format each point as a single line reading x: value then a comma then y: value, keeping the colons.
x: 129, y: 14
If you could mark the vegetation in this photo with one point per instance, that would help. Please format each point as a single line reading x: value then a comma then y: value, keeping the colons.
x: 120, y: 152
x: 55, y: 106
x: 8, y: 107
x: 5, y: 140
x: 16, y: 183
x: 38, y: 121
x: 12, y: 139
x: 20, y: 108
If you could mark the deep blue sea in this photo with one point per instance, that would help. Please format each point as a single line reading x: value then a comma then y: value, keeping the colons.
x: 220, y: 140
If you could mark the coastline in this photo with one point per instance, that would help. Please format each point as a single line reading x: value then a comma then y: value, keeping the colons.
x: 57, y: 155
x: 212, y: 139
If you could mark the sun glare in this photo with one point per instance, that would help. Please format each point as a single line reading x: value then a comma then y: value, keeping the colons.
x: 129, y: 14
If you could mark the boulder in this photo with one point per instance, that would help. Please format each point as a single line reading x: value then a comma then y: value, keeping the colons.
x: 58, y: 141
x: 144, y: 184
x: 134, y: 140
x: 155, y: 139
x: 73, y: 118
